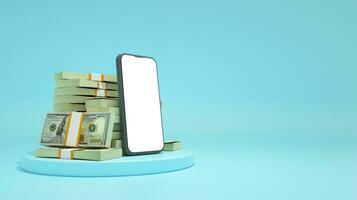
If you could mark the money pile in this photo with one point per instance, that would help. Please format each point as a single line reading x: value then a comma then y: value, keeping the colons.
x: 78, y: 129
x: 80, y: 135
x: 72, y: 131
x: 85, y: 123
x: 73, y: 89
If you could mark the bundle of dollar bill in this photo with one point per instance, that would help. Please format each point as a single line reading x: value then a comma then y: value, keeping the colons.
x: 73, y: 89
x: 78, y: 153
x: 106, y: 105
x: 79, y: 129
x: 172, y: 145
x: 86, y: 76
x: 91, y: 134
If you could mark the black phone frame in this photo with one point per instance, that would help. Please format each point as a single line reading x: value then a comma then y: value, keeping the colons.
x: 121, y: 98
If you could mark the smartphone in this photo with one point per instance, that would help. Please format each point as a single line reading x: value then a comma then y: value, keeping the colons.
x: 139, y: 105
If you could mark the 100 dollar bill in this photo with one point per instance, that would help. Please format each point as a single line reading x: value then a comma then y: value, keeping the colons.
x: 101, y: 102
x: 103, y: 109
x: 68, y: 107
x: 85, y: 92
x: 173, y: 145
x: 79, y: 153
x: 86, y: 83
x: 94, y: 130
x: 87, y: 76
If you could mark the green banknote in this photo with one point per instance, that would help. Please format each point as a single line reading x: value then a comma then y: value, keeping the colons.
x: 87, y: 76
x: 94, y: 130
x: 79, y: 153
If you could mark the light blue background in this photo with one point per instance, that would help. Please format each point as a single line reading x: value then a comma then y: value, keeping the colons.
x: 264, y: 92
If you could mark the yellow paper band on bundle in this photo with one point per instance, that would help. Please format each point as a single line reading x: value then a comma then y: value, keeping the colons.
x: 74, y: 129
x: 66, y: 153
x: 80, y: 129
x: 102, y: 85
x: 95, y: 77
x: 100, y: 93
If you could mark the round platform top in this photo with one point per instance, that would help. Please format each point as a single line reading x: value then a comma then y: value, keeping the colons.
x: 124, y: 166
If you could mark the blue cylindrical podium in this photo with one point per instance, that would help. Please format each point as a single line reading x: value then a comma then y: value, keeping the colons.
x: 124, y: 166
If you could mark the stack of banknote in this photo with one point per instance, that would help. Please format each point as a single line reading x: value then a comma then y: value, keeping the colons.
x: 108, y: 105
x: 79, y: 154
x: 72, y: 131
x: 80, y: 135
x: 85, y: 123
x: 73, y: 89
x: 172, y: 145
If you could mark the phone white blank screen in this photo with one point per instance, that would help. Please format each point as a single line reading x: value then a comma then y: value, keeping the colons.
x: 142, y: 104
